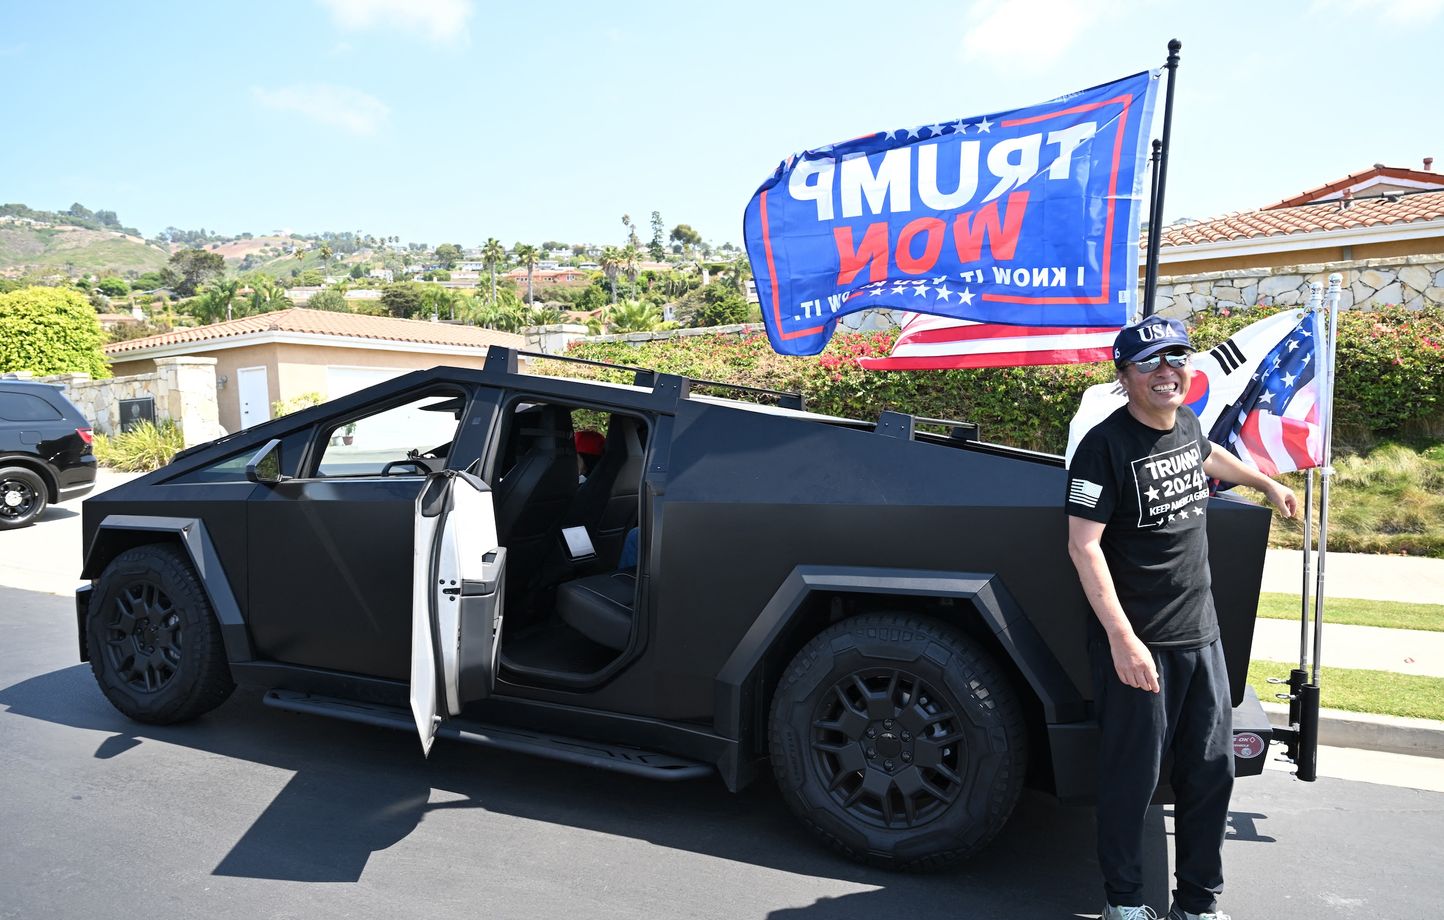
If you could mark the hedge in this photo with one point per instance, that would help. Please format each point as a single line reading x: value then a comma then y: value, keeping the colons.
x: 50, y: 330
x: 1391, y: 374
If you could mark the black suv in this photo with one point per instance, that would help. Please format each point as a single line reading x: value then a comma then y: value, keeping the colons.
x: 45, y: 453
x: 884, y: 611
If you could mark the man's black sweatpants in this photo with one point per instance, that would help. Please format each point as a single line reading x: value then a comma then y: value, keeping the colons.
x: 1192, y: 716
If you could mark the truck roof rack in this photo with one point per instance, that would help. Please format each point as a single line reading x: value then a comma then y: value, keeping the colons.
x: 904, y: 427
x: 646, y: 377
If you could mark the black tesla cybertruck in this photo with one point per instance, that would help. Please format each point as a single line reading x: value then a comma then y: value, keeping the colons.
x: 885, y: 614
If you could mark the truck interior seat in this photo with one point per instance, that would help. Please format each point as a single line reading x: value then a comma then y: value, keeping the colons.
x: 600, y: 607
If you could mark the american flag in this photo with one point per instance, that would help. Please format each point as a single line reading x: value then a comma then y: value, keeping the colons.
x: 1276, y: 425
x: 928, y: 342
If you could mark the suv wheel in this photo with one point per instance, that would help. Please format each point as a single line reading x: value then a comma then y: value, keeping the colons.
x: 899, y: 741
x: 22, y: 497
x: 155, y: 646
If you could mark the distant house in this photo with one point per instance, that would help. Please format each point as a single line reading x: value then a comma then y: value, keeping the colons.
x: 471, y: 265
x: 277, y: 356
x: 589, y: 267
x: 1382, y: 229
x: 556, y: 277
x: 381, y: 274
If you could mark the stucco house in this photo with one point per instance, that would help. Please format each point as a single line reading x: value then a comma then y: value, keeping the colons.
x: 1382, y: 229
x: 278, y: 356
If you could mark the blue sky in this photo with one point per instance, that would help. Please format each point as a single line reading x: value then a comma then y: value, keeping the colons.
x: 456, y: 120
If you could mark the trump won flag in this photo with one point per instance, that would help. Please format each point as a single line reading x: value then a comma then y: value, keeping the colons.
x: 1028, y: 217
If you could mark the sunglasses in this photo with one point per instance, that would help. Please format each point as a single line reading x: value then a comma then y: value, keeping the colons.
x: 1150, y: 365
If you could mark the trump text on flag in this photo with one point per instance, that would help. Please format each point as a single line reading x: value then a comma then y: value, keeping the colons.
x: 1027, y: 217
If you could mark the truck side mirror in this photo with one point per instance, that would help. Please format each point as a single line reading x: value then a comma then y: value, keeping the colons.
x: 265, y: 466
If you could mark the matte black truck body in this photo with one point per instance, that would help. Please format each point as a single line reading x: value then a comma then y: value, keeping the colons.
x: 758, y: 529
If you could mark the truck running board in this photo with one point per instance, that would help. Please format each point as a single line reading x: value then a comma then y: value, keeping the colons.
x: 598, y: 755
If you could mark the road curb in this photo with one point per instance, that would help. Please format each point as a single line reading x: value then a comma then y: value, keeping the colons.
x: 1396, y: 735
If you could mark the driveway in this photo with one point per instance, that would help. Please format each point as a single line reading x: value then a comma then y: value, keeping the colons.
x: 45, y: 557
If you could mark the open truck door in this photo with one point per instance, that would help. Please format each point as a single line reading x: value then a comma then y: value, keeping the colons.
x: 458, y: 584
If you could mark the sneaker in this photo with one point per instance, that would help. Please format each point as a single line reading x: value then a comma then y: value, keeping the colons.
x: 1128, y: 913
x: 1178, y: 913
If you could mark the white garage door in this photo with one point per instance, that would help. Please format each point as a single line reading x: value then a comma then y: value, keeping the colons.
x: 343, y: 381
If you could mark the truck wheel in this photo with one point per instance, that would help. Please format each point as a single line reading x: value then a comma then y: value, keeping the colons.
x: 155, y: 646
x: 22, y: 497
x: 898, y: 740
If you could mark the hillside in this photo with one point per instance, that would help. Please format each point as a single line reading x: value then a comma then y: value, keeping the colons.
x: 27, y: 247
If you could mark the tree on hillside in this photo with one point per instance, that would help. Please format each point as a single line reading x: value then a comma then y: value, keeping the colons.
x: 49, y: 330
x: 655, y: 248
x: 493, y: 254
x: 331, y: 299
x: 528, y: 256
x: 267, y: 295
x: 631, y: 230
x: 402, y: 300
x: 448, y: 254
x: 326, y: 253
x: 196, y: 267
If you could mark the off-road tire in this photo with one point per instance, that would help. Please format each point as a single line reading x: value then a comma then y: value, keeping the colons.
x: 944, y: 764
x: 155, y: 646
x: 26, y: 486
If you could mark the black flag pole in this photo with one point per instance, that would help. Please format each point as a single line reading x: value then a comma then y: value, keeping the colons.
x: 1160, y: 179
x: 1152, y: 219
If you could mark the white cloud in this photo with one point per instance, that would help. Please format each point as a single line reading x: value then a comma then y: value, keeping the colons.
x: 337, y: 106
x: 1402, y: 12
x: 438, y: 20
x: 1030, y: 34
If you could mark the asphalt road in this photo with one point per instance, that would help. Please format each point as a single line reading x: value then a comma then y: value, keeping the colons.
x: 253, y: 813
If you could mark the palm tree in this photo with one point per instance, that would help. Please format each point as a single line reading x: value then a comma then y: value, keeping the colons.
x: 611, y: 261
x: 493, y: 254
x: 223, y: 295
x: 267, y: 295
x: 632, y: 316
x: 326, y: 253
x: 528, y: 255
x: 631, y: 255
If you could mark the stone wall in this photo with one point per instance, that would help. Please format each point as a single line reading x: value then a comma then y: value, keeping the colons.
x: 184, y: 390
x: 1411, y: 281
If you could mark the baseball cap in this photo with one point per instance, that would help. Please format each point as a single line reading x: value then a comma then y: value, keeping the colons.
x: 1147, y: 338
x: 590, y: 443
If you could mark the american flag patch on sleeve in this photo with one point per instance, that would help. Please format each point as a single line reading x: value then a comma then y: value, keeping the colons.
x: 1085, y: 493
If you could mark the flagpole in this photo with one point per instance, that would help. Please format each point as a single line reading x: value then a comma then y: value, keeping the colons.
x: 1309, y: 693
x: 1160, y: 179
x: 1299, y: 676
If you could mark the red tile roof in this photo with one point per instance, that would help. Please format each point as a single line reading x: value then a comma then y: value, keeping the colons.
x: 1310, y: 218
x: 1353, y: 179
x: 300, y: 321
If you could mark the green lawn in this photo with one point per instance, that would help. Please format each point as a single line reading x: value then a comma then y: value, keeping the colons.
x: 1389, y: 614
x: 1390, y: 500
x: 1378, y: 692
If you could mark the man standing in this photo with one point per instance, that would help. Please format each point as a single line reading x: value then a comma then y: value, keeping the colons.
x: 1137, y: 502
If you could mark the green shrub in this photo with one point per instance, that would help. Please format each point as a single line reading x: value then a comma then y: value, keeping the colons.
x: 1391, y: 372
x: 144, y: 448
x: 295, y: 404
x: 50, y: 330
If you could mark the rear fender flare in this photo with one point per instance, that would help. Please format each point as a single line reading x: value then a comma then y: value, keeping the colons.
x: 740, y: 684
x: 120, y: 532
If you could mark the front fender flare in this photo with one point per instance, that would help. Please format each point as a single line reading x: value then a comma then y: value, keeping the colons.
x: 119, y: 532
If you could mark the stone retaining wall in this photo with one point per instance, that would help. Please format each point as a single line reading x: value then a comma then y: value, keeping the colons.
x: 1411, y: 281
x: 184, y: 390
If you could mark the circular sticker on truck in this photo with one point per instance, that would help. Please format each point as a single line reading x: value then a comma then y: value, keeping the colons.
x: 1248, y: 745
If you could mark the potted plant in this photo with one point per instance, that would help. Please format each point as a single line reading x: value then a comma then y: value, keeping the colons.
x: 348, y: 434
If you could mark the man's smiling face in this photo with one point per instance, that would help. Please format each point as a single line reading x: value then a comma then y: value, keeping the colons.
x: 1160, y: 391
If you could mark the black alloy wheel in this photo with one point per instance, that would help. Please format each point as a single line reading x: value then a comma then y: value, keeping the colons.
x: 23, y: 497
x: 899, y: 741
x: 143, y: 636
x: 887, y: 749
x: 154, y: 643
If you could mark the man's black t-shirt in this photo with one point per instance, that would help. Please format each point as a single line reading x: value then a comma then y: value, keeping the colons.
x: 1149, y: 488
